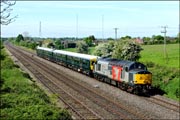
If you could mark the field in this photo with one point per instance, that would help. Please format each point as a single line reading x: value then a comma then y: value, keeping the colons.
x: 21, y: 98
x: 155, y: 54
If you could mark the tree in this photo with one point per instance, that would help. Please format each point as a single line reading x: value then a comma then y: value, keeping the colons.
x: 82, y: 47
x: 131, y: 51
x: 118, y: 49
x: 90, y: 40
x: 127, y: 50
x: 32, y: 45
x: 19, y: 38
x: 126, y: 37
x: 104, y: 49
x: 146, y: 40
x: 51, y: 45
x: 158, y: 39
x: 110, y: 38
x: 6, y: 12
x: 58, y: 44
x: 1, y: 47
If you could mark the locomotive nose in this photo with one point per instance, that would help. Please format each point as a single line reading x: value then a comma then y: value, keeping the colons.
x: 145, y: 78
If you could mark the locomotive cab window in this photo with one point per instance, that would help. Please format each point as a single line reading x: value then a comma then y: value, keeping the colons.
x: 138, y: 66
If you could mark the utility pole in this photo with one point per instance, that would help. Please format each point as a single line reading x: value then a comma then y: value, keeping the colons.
x: 103, y: 27
x: 165, y: 52
x: 115, y: 33
x: 40, y: 29
x: 76, y: 26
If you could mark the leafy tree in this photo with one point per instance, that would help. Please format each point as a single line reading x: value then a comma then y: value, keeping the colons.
x: 50, y: 45
x: 82, y: 47
x: 118, y: 49
x: 90, y: 40
x: 19, y: 38
x: 58, y: 44
x: 39, y: 43
x: 126, y: 37
x: 104, y: 49
x: 47, y: 42
x: 127, y: 50
x: 110, y: 38
x: 131, y: 51
x: 32, y: 45
x: 157, y: 39
x: 6, y: 12
x: 146, y: 40
x: 1, y: 47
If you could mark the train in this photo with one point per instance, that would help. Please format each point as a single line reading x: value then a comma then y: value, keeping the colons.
x: 130, y: 76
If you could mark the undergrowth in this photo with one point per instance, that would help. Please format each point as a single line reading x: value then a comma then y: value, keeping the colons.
x: 166, y: 79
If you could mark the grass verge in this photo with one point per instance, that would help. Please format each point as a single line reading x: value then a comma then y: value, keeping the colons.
x: 22, y: 98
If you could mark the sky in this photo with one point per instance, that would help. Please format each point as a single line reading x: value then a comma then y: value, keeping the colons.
x: 98, y: 18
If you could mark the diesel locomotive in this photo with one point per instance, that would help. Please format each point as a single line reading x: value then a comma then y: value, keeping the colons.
x: 128, y: 75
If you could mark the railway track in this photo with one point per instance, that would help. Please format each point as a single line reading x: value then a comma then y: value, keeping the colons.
x: 164, y: 103
x: 82, y: 111
x: 43, y: 72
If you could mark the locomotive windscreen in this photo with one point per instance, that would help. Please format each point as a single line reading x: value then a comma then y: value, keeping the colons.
x: 137, y: 65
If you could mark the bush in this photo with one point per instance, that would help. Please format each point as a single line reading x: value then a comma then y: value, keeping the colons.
x: 166, y: 79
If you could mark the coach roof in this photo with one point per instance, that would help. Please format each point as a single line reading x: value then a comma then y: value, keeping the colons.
x: 79, y: 55
x: 43, y: 48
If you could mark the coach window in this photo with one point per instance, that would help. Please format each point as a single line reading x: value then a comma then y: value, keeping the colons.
x: 98, y: 67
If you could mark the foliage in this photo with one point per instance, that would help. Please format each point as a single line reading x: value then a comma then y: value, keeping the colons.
x: 157, y: 39
x: 90, y: 40
x: 131, y: 51
x: 32, y: 45
x: 50, y: 45
x: 6, y: 12
x: 127, y: 49
x: 104, y: 49
x: 147, y: 40
x: 126, y: 37
x: 1, y: 47
x: 110, y: 38
x: 19, y: 38
x: 58, y: 45
x: 82, y: 47
x: 167, y: 79
x: 118, y: 49
x: 22, y: 99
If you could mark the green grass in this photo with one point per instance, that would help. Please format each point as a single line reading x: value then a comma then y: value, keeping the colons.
x: 155, y: 54
x: 70, y: 49
x: 23, y: 99
x: 91, y: 50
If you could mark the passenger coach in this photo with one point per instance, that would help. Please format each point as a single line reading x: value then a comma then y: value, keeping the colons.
x: 80, y: 62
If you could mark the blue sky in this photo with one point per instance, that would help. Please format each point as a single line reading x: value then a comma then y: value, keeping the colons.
x: 98, y: 18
